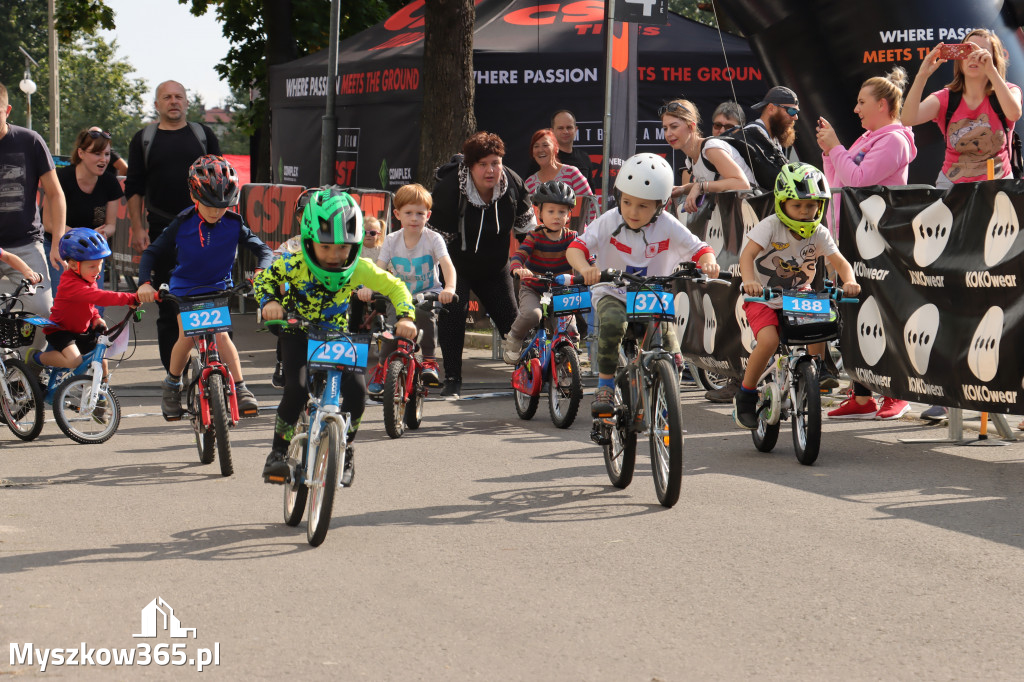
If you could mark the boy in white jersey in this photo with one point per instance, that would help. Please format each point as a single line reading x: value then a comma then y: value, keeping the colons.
x: 782, y: 251
x: 637, y: 237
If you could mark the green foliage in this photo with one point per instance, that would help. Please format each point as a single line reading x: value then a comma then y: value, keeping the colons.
x: 694, y: 9
x: 235, y: 140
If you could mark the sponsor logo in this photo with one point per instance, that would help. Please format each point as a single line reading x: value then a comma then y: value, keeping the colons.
x: 746, y: 334
x: 291, y: 172
x: 982, y: 279
x: 864, y: 272
x: 919, y: 386
x: 870, y: 243
x: 985, y: 394
x: 922, y: 280
x: 749, y: 217
x: 654, y: 249
x: 710, y: 325
x: 682, y: 303
x: 919, y: 336
x: 983, y: 353
x: 932, y: 228
x: 869, y: 377
x: 1002, y: 230
x: 870, y: 332
x: 715, y: 236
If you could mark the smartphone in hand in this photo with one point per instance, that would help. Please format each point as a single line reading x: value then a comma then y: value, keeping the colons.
x: 956, y: 51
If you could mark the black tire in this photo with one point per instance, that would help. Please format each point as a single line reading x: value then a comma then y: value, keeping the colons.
x: 709, y: 381
x: 206, y: 442
x: 82, y: 427
x: 414, y: 407
x: 221, y: 422
x: 24, y: 414
x: 526, y: 405
x: 666, y: 420
x: 565, y: 391
x: 807, y: 414
x: 324, y: 483
x: 620, y: 453
x: 765, y: 435
x: 296, y: 493
x: 394, y: 399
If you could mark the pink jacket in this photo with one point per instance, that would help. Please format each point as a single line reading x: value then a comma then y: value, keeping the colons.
x: 878, y: 157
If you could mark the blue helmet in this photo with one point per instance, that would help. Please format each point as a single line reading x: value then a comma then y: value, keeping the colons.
x: 83, y: 243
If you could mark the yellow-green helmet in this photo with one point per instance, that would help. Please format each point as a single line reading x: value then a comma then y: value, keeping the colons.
x: 332, y: 217
x: 801, y: 181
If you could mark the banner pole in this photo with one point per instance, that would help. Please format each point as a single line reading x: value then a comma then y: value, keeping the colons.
x: 607, y: 122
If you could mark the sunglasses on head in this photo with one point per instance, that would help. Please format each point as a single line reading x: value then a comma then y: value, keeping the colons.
x: 96, y: 134
x: 670, y: 107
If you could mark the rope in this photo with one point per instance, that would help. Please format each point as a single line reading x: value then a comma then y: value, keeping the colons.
x: 732, y: 86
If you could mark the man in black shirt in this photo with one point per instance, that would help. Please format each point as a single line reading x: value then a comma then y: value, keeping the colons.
x: 564, y: 125
x: 160, y: 175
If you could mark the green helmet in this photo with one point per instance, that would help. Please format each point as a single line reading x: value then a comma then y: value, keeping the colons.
x: 332, y: 217
x: 801, y: 181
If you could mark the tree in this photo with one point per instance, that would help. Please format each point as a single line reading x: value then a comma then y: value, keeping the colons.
x: 235, y: 140
x: 448, y: 86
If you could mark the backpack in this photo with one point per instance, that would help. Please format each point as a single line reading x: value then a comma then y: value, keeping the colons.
x: 149, y: 133
x: 1014, y: 149
x: 763, y: 158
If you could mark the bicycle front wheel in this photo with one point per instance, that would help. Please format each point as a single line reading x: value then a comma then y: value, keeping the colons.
x: 394, y: 399
x: 221, y: 421
x: 295, y: 491
x: 205, y: 440
x: 807, y: 414
x: 324, y: 483
x: 80, y: 424
x: 566, y: 390
x: 414, y: 407
x: 620, y: 451
x: 666, y: 432
x: 24, y: 411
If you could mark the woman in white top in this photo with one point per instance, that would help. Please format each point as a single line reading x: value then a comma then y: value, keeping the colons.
x: 680, y: 121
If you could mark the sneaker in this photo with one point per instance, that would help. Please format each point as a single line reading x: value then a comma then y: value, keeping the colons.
x: 429, y: 373
x: 247, y: 405
x: 452, y: 388
x: 277, y: 381
x: 935, y: 413
x: 512, y: 348
x: 34, y: 367
x: 678, y: 359
x: 745, y: 410
x: 851, y: 409
x: 892, y: 409
x: 827, y: 381
x: 349, y: 472
x: 99, y: 413
x: 276, y: 470
x: 376, y: 385
x: 604, y: 402
x: 170, y: 403
x: 725, y: 394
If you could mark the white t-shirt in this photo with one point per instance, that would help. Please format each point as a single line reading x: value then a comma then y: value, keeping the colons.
x: 786, y: 260
x: 418, y: 266
x: 657, y: 249
x: 702, y: 172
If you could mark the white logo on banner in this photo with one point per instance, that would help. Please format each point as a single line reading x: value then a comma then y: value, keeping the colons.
x: 715, y: 236
x: 158, y: 615
x: 1002, y: 231
x: 749, y: 217
x: 919, y: 336
x: 983, y: 355
x: 870, y: 243
x: 710, y: 325
x: 682, y: 313
x: 746, y: 335
x: 932, y: 228
x: 870, y: 332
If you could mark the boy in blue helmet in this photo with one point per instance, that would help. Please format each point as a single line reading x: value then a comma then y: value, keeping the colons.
x: 321, y: 279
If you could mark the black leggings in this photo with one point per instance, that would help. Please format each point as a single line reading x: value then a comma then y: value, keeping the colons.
x: 293, y: 357
x: 495, y: 293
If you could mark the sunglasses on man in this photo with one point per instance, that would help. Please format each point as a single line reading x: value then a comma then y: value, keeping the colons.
x: 792, y: 111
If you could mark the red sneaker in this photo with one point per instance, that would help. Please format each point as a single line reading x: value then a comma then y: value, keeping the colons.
x: 429, y: 373
x: 850, y: 409
x: 892, y: 409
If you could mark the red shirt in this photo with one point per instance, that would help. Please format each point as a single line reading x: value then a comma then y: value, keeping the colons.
x: 74, y: 306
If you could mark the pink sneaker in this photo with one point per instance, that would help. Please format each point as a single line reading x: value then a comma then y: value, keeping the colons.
x: 892, y: 409
x: 849, y: 409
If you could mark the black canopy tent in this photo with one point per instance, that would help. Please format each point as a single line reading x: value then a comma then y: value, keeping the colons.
x: 530, y: 60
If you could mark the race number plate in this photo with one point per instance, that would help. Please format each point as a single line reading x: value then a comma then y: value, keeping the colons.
x: 806, y: 303
x: 346, y: 354
x: 650, y: 302
x: 574, y: 299
x: 205, y: 317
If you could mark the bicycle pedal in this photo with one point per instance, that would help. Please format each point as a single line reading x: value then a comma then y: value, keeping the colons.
x: 600, y: 438
x: 173, y: 419
x: 250, y: 413
x: 279, y: 480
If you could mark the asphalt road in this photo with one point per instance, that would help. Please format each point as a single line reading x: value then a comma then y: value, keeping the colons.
x: 482, y: 547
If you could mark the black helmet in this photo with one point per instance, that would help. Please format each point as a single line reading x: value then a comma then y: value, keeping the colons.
x: 213, y: 182
x: 554, y: 192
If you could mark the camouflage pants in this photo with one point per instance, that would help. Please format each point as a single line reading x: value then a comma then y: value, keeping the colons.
x: 611, y: 327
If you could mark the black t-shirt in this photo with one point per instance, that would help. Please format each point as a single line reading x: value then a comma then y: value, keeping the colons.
x: 577, y: 157
x: 88, y: 210
x: 24, y: 158
x: 164, y: 182
x: 114, y: 158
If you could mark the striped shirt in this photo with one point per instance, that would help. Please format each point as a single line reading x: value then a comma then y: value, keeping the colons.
x: 541, y: 254
x: 571, y: 176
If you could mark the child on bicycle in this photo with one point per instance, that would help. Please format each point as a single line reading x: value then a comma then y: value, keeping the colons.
x: 203, y: 240
x: 320, y: 282
x: 542, y: 251
x: 414, y: 253
x: 782, y: 251
x: 74, y: 314
x: 641, y: 238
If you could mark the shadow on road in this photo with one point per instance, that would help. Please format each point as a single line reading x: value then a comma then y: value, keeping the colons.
x: 121, y: 475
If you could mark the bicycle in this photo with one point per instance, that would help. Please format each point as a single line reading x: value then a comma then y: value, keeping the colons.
x: 789, y: 385
x: 82, y: 398
x: 646, y: 386
x: 322, y: 424
x: 404, y: 390
x: 552, y: 361
x: 211, y: 403
x: 21, y: 398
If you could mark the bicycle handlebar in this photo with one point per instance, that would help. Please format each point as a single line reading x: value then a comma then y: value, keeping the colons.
x: 164, y: 293
x: 768, y: 293
x: 418, y: 299
x: 687, y: 271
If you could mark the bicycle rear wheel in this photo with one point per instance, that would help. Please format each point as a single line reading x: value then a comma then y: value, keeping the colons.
x: 221, y: 422
x: 666, y: 432
x: 807, y: 414
x: 620, y: 452
x: 24, y: 412
x: 566, y: 390
x: 324, y: 483
x: 394, y: 399
x: 86, y: 426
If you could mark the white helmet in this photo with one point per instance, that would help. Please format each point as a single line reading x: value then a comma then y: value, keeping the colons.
x: 645, y: 176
